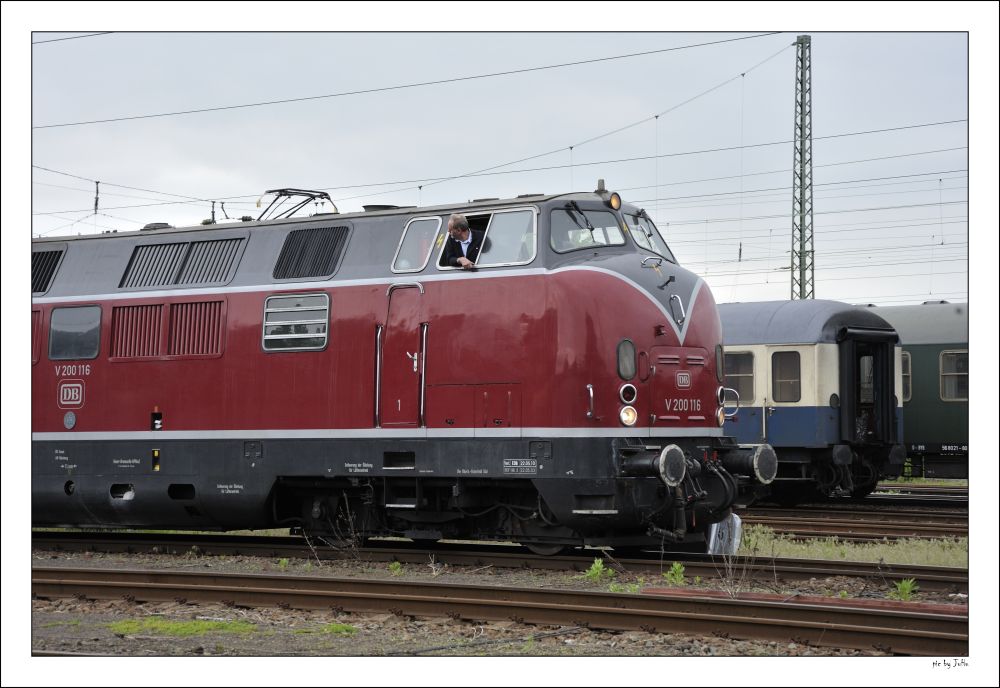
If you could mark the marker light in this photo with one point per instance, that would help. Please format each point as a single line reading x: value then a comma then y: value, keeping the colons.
x: 628, y: 415
x: 627, y: 393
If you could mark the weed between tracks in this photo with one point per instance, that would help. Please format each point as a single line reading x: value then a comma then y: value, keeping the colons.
x: 180, y: 628
x: 762, y: 541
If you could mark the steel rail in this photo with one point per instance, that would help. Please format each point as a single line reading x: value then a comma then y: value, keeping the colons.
x: 943, y: 516
x: 908, y: 630
x: 856, y: 529
x: 772, y: 569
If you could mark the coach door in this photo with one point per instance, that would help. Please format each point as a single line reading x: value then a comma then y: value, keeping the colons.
x: 867, y: 386
x: 781, y: 416
x: 400, y: 372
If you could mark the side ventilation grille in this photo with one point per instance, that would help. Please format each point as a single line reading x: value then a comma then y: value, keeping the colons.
x: 43, y: 268
x: 209, y: 262
x: 310, y: 253
x: 195, y: 328
x: 189, y: 263
x: 135, y: 331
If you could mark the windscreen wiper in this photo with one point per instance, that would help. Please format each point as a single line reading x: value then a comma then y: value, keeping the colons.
x: 576, y: 207
x: 643, y: 215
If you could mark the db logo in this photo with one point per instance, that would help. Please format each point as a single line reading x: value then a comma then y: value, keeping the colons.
x: 70, y: 394
x: 683, y: 379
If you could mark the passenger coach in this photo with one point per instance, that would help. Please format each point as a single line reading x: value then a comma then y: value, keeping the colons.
x: 819, y: 381
x: 935, y: 365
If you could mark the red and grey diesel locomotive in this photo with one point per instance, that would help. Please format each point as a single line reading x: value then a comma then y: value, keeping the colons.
x: 333, y: 373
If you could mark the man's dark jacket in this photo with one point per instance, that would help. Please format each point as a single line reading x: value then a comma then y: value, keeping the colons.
x: 453, y: 249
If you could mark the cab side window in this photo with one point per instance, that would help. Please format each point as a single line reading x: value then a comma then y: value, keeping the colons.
x: 416, y: 244
x: 510, y: 239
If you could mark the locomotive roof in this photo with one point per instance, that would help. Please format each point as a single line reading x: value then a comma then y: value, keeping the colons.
x: 238, y: 255
x: 929, y: 323
x: 469, y: 207
x: 807, y: 321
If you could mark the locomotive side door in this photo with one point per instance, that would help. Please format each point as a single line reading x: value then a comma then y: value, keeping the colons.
x: 402, y: 359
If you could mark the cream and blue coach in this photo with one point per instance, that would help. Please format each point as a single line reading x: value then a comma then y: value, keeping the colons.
x: 820, y: 381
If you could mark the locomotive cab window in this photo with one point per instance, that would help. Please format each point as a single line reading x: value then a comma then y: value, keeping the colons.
x: 646, y: 235
x: 954, y: 367
x: 739, y: 376
x: 416, y: 244
x: 74, y: 333
x: 573, y: 229
x: 509, y: 238
x: 296, y: 323
x: 786, y: 376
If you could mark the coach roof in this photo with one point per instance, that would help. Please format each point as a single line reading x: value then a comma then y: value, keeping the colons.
x: 930, y: 323
x: 807, y: 321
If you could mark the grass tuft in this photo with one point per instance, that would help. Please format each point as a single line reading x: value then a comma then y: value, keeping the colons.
x: 182, y: 629
x: 917, y: 552
x: 331, y: 629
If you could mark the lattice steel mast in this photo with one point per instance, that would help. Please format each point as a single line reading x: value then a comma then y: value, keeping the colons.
x: 802, y: 187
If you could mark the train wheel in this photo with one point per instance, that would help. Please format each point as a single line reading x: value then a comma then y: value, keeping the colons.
x: 865, y: 478
x: 861, y: 491
x: 544, y: 550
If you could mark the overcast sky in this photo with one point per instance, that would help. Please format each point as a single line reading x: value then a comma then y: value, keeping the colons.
x: 899, y: 212
x: 714, y: 169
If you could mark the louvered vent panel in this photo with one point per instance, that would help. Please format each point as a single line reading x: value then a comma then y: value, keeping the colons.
x: 43, y: 267
x: 310, y: 252
x: 153, y: 266
x: 195, y: 328
x: 209, y: 262
x: 135, y: 331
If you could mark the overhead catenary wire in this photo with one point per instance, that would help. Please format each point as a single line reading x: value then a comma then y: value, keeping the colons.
x: 72, y: 38
x: 492, y: 173
x: 435, y: 82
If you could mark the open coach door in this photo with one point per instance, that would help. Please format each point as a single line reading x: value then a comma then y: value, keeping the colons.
x: 867, y: 384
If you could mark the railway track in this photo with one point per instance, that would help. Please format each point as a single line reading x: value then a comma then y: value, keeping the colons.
x: 925, y: 630
x: 920, y: 489
x: 859, y: 524
x: 918, y: 495
x: 775, y: 570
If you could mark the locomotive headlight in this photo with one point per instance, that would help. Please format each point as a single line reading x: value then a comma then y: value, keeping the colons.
x: 628, y: 415
x: 615, y: 201
x: 720, y: 416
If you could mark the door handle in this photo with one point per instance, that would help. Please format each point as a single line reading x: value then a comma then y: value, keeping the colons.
x: 414, y: 358
x: 770, y: 411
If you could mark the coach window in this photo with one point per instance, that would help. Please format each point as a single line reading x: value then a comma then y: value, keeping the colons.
x: 907, y: 376
x: 416, y: 244
x: 786, y: 380
x: 296, y: 323
x: 954, y: 368
x: 573, y: 229
x: 739, y: 375
x: 74, y: 333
